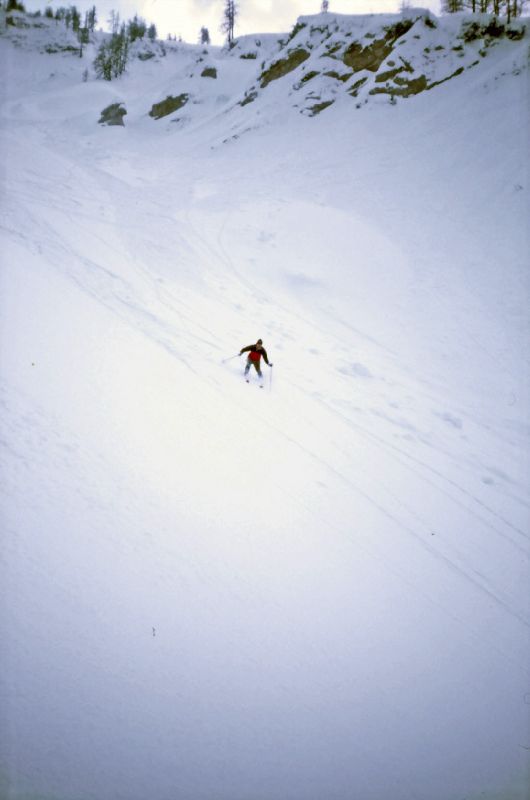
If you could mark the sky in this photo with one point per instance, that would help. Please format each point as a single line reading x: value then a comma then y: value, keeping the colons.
x: 186, y: 17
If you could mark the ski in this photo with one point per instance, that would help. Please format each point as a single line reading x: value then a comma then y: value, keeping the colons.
x: 261, y: 385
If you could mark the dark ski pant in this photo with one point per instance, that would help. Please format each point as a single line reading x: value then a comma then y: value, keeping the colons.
x: 256, y: 365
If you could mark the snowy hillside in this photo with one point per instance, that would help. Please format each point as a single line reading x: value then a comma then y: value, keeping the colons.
x: 313, y: 590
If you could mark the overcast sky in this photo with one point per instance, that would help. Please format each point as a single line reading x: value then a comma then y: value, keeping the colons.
x: 185, y: 17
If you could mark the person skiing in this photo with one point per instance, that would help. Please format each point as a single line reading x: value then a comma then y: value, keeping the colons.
x: 255, y: 352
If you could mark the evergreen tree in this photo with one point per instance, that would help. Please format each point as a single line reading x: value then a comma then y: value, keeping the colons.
x: 103, y: 63
x: 514, y: 9
x: 112, y: 56
x: 120, y: 52
x: 92, y: 19
x: 136, y: 28
x: 76, y: 19
x: 152, y: 32
x: 204, y: 36
x: 229, y: 20
x: 114, y: 22
x: 83, y: 35
x: 452, y: 6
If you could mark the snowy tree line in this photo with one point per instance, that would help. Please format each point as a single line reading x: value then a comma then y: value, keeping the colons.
x: 112, y: 56
x: 113, y: 53
x: 70, y: 15
x: 136, y: 28
x: 509, y: 8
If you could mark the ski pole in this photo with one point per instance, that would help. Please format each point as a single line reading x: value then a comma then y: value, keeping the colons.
x: 270, y: 380
x: 230, y: 358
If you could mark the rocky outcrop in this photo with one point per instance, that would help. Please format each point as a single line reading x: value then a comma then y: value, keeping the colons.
x: 168, y: 106
x: 113, y: 115
x: 372, y: 55
x: 283, y: 66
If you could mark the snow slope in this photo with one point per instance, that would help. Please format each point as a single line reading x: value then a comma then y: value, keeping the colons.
x: 314, y: 590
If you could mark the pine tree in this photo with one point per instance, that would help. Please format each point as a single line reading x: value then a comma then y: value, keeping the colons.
x: 204, y: 36
x: 76, y: 19
x: 92, y: 19
x: 114, y: 22
x: 103, y: 62
x: 136, y: 28
x: 83, y: 35
x: 229, y: 20
x: 112, y: 56
x: 452, y: 6
x: 120, y: 52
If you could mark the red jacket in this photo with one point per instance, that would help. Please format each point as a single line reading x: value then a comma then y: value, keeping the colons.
x: 254, y: 354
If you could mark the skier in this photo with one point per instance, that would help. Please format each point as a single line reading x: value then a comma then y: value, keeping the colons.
x: 255, y: 352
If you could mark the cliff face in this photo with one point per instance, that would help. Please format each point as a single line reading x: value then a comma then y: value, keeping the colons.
x: 326, y: 59
x: 390, y: 56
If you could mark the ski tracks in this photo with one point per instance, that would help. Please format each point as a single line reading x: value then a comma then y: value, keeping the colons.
x: 471, y: 518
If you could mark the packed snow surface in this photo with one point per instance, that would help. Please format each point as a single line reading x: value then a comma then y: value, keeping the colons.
x: 317, y: 590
